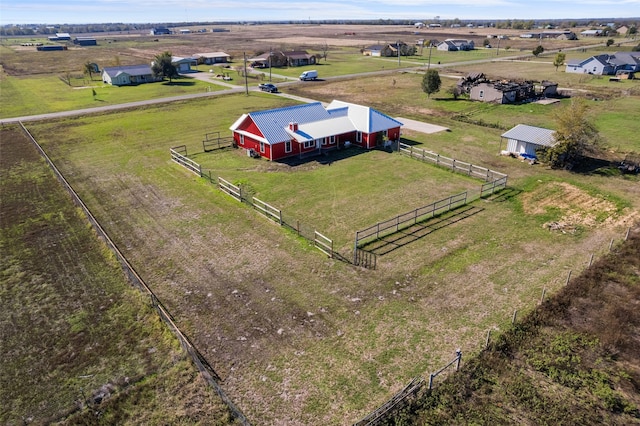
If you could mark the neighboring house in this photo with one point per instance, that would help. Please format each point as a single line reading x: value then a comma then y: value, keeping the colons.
x: 548, y: 89
x: 451, y: 45
x: 183, y: 65
x: 592, y: 33
x: 60, y: 37
x: 606, y: 64
x: 419, y: 25
x: 85, y: 41
x: 375, y: 50
x: 212, y: 58
x: 622, y: 30
x: 299, y: 58
x: 311, y: 129
x: 50, y: 47
x: 502, y: 92
x: 524, y: 139
x: 391, y: 50
x: 160, y: 31
x: 128, y: 75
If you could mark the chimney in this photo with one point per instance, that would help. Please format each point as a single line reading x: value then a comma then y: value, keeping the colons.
x: 293, y: 126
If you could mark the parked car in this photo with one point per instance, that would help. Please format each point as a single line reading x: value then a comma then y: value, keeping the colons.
x: 309, y: 75
x: 268, y: 87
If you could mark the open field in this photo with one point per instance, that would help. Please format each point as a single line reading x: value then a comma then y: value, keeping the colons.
x: 300, y: 339
x: 79, y: 344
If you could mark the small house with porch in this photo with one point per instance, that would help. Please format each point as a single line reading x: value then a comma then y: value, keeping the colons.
x: 212, y: 58
x: 128, y: 75
x: 183, y: 65
x: 524, y: 140
x: 312, y: 129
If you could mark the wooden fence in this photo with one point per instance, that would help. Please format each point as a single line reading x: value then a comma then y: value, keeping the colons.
x: 493, y: 186
x: 268, y: 210
x: 230, y: 189
x: 213, y: 141
x: 458, y: 166
x: 179, y: 155
x: 406, y: 220
x: 206, y: 371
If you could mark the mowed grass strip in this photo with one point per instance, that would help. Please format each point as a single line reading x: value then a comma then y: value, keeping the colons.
x: 78, y: 342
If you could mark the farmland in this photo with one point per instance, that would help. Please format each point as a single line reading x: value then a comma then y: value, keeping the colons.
x: 303, y: 339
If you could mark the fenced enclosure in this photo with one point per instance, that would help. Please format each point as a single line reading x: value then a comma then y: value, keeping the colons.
x: 364, y: 258
x: 408, y: 219
x: 213, y: 141
x: 319, y: 241
x: 457, y: 166
x: 493, y: 187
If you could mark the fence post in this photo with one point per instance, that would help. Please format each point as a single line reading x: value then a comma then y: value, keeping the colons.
x: 459, y: 353
x: 280, y: 216
x: 611, y: 244
x: 626, y: 237
x: 431, y: 381
x: 515, y: 316
x: 486, y: 344
x: 544, y: 290
x: 568, y: 278
x: 591, y: 260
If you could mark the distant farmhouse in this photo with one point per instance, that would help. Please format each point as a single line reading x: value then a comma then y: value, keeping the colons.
x: 620, y: 63
x: 312, y: 129
x: 293, y: 58
x: 60, y: 37
x: 452, y: 45
x: 128, y: 75
x: 160, y: 31
x: 212, y: 58
x: 560, y: 35
x: 389, y: 50
x: 85, y: 41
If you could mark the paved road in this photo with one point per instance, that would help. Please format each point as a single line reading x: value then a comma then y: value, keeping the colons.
x: 412, y: 66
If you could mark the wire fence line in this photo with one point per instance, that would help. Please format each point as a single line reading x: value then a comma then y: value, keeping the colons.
x: 205, y: 369
x: 407, y: 395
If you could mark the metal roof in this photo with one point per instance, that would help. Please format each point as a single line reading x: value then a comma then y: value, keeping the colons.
x: 364, y: 119
x: 531, y: 134
x: 128, y: 69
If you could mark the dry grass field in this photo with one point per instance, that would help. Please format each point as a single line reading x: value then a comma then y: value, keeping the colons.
x: 298, y: 338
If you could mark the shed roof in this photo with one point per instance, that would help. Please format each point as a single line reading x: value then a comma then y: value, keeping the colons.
x: 128, y: 69
x: 531, y: 134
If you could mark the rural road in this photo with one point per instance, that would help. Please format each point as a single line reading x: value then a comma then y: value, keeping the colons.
x: 414, y: 67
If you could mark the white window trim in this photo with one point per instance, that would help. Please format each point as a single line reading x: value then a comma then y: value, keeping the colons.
x: 262, y: 147
x: 288, y: 147
x: 359, y: 136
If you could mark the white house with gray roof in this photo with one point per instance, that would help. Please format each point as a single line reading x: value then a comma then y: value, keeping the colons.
x: 128, y: 75
x: 606, y: 64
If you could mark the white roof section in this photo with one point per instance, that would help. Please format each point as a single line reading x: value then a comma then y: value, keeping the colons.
x: 531, y: 134
x: 364, y: 119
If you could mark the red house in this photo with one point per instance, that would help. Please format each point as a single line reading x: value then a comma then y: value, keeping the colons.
x: 311, y: 129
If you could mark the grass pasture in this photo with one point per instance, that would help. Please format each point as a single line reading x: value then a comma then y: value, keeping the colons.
x: 109, y: 360
x: 299, y: 338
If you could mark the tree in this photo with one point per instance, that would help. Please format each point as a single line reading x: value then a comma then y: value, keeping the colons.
x: 89, y: 68
x: 575, y: 136
x: 431, y: 82
x: 610, y: 42
x: 559, y: 60
x: 163, y: 67
x: 324, y: 51
x: 538, y: 50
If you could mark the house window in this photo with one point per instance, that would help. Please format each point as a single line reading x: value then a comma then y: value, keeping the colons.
x: 325, y: 141
x: 594, y: 69
x: 241, y: 139
x: 332, y: 139
x: 482, y: 94
x: 262, y: 147
x: 287, y: 146
x: 309, y: 144
x: 359, y: 137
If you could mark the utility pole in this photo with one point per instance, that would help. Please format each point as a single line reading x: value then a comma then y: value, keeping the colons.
x: 246, y: 83
x: 398, y: 46
x: 430, y: 47
x: 270, y: 53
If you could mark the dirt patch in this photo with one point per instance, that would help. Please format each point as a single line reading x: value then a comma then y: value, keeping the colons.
x: 578, y: 207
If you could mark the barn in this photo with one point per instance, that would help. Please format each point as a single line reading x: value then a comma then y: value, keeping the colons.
x: 525, y: 140
x: 312, y: 129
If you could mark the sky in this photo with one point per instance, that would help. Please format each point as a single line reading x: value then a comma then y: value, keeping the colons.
x: 155, y: 11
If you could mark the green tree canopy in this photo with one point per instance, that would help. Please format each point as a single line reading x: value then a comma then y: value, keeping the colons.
x: 163, y: 67
x: 559, y: 60
x: 576, y: 136
x: 431, y: 82
x: 538, y: 50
